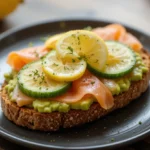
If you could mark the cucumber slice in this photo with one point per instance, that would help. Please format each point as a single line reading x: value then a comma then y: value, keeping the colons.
x: 121, y: 60
x: 33, y: 82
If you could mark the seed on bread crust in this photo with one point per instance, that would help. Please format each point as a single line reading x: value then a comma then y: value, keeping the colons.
x: 28, y: 117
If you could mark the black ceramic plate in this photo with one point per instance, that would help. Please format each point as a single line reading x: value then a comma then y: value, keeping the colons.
x: 118, y: 128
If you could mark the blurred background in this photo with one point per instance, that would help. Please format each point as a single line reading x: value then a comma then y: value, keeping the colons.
x: 135, y: 13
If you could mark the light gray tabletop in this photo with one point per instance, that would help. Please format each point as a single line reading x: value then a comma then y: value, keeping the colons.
x: 135, y: 13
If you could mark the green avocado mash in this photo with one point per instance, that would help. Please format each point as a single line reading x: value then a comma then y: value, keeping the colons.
x: 50, y: 106
x: 11, y: 79
x: 116, y: 86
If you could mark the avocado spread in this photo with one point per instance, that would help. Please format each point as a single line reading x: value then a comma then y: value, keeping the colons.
x: 116, y: 86
x: 50, y: 106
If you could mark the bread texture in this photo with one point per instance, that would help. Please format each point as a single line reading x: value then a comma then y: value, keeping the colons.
x: 28, y: 117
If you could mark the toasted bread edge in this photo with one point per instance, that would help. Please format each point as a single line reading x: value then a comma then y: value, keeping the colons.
x: 28, y: 117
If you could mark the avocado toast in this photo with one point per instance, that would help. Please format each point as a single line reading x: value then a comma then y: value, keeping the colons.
x: 36, y: 115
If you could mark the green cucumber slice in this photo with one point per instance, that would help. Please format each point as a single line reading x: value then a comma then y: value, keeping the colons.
x: 121, y: 60
x: 33, y: 82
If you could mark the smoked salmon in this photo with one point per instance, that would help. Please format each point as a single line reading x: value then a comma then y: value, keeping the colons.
x: 20, y: 98
x: 17, y: 59
x: 118, y: 33
x: 132, y: 41
x: 110, y: 32
x: 88, y: 85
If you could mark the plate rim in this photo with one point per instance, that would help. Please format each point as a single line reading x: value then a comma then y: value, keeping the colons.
x: 16, y: 140
x: 22, y: 27
x: 115, y: 144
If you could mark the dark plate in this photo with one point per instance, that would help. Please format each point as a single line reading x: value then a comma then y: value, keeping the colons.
x: 116, y: 129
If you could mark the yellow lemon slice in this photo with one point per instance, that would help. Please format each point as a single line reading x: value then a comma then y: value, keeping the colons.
x: 59, y: 70
x: 51, y: 41
x: 83, y: 44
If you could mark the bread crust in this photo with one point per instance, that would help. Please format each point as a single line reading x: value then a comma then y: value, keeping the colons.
x: 28, y: 117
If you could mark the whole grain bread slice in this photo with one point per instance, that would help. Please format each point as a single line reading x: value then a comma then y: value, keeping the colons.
x: 28, y: 117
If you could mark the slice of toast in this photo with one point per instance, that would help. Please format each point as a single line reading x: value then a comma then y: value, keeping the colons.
x: 28, y: 117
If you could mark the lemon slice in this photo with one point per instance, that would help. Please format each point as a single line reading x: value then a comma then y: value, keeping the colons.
x: 83, y: 44
x: 51, y: 41
x: 59, y: 70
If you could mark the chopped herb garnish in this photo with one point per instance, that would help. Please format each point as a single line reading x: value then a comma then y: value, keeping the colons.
x: 80, y: 58
x: 41, y: 57
x: 40, y: 77
x: 55, y: 64
x: 89, y: 28
x: 35, y: 72
x: 96, y: 61
x: 43, y: 39
x: 71, y: 49
x: 36, y: 54
x: 140, y: 122
x: 84, y: 57
x: 30, y: 44
x: 92, y: 82
x: 78, y: 40
x: 73, y: 60
x: 112, y: 139
x: 66, y: 68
